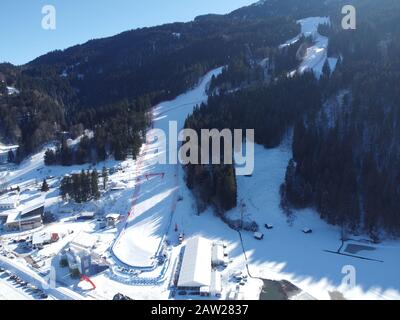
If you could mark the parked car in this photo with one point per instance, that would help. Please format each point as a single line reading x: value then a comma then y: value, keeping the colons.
x: 258, y: 235
x: 43, y: 296
x: 120, y: 296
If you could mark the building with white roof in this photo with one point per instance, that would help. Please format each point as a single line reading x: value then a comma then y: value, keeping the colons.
x: 78, y: 253
x: 79, y: 260
x: 195, y: 272
x: 112, y: 219
x: 25, y: 216
x: 216, y: 283
x: 9, y: 201
x: 84, y: 240
x: 39, y: 239
x: 217, y: 255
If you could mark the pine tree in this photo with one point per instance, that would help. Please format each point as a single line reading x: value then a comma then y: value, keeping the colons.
x: 11, y: 156
x: 77, y: 192
x: 86, y: 185
x: 94, y: 181
x: 65, y: 153
x: 45, y: 187
x: 104, y: 175
x: 326, y: 70
x: 49, y: 157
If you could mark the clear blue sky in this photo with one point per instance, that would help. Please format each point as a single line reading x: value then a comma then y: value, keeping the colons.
x: 23, y: 39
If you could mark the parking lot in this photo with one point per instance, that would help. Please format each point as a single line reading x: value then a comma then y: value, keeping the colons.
x: 14, y: 288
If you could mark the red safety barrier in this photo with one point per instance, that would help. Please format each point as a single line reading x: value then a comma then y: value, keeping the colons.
x: 87, y: 279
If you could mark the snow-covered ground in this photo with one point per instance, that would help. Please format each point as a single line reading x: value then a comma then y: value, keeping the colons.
x: 287, y: 253
x: 150, y: 195
x: 12, y: 90
x: 317, y: 54
x: 156, y: 196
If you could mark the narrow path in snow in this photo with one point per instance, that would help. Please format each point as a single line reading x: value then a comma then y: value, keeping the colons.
x: 245, y: 257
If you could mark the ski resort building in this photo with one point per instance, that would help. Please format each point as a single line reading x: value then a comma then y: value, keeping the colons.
x: 217, y: 255
x: 21, y: 213
x: 78, y: 253
x: 112, y: 219
x: 27, y: 218
x: 39, y: 239
x: 196, y: 273
x: 84, y: 240
x: 79, y: 260
x: 10, y: 201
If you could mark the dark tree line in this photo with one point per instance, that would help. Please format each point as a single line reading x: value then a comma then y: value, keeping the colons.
x: 267, y: 109
x: 109, y: 85
x: 346, y: 157
x: 118, y: 131
x: 81, y: 187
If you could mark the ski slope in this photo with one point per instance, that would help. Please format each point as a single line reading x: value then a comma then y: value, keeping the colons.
x: 285, y: 253
x: 317, y: 54
x: 308, y: 261
x: 157, y: 185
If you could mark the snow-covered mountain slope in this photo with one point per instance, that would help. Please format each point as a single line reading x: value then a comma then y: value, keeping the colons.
x: 156, y: 195
x: 308, y: 261
x: 317, y: 54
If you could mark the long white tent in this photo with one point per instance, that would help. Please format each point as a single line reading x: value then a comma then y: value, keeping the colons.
x: 196, y: 264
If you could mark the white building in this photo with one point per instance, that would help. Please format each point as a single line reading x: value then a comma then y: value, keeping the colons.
x: 216, y: 283
x: 217, y: 255
x: 84, y: 240
x: 195, y: 272
x: 9, y: 202
x: 79, y: 260
x: 112, y: 219
x: 79, y: 252
x: 12, y: 91
x: 25, y: 218
x: 39, y: 239
x: 19, y: 212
